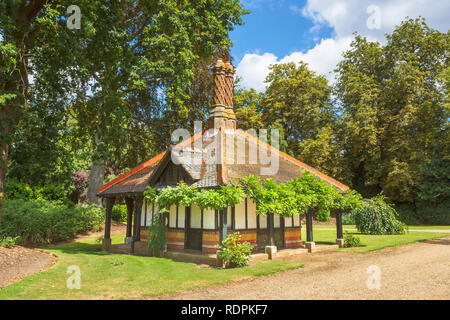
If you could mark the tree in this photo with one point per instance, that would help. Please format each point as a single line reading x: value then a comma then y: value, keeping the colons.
x: 156, y: 53
x: 27, y: 28
x: 125, y: 54
x: 247, y: 105
x: 393, y: 109
x: 299, y: 101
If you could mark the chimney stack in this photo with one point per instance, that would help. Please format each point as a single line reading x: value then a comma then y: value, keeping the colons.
x: 222, y: 115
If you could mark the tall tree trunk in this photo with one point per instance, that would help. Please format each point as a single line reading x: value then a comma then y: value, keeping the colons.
x: 3, y: 165
x: 95, y: 182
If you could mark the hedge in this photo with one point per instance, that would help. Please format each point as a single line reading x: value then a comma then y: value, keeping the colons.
x: 43, y: 222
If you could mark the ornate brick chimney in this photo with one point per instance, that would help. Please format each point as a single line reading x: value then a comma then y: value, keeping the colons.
x: 222, y: 115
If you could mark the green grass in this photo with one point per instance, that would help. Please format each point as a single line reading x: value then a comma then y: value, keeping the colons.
x: 373, y: 242
x: 352, y: 226
x: 429, y: 227
x: 106, y: 275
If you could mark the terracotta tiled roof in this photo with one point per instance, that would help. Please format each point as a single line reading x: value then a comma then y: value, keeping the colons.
x: 235, y: 155
x: 133, y: 180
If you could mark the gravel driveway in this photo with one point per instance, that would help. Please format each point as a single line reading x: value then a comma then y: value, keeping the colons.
x: 414, y: 271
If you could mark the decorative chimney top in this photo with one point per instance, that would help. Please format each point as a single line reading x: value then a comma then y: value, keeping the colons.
x: 222, y: 115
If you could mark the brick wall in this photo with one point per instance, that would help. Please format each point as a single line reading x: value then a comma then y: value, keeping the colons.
x: 210, y: 240
x: 292, y: 237
x: 175, y: 239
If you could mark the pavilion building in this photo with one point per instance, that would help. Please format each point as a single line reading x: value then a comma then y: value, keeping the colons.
x: 217, y: 156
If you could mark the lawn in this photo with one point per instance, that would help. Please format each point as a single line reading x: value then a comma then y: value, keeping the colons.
x: 374, y: 242
x: 106, y: 275
x: 352, y: 226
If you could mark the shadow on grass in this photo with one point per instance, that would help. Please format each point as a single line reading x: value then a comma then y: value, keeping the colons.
x: 444, y: 241
x: 81, y: 248
x: 324, y: 242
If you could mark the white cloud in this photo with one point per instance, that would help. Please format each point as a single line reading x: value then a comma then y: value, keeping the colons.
x: 253, y: 69
x: 323, y: 58
x: 345, y: 17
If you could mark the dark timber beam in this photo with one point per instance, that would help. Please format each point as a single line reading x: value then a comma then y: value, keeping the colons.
x: 137, y: 222
x: 108, y: 215
x: 270, y: 222
x: 224, y: 224
x: 130, y: 207
x: 339, y: 230
x: 309, y: 230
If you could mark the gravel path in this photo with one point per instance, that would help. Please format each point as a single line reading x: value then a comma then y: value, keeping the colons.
x: 414, y: 271
x: 18, y: 262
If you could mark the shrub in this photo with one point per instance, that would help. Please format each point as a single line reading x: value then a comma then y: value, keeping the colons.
x: 351, y: 241
x: 119, y: 213
x: 157, y: 234
x: 323, y: 215
x: 43, y: 221
x: 348, y: 218
x: 8, y: 242
x: 16, y: 189
x: 234, y: 252
x: 375, y: 216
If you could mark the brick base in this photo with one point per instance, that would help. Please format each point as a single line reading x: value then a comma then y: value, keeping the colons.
x: 292, y: 237
x: 175, y: 239
x: 249, y: 236
x: 210, y: 241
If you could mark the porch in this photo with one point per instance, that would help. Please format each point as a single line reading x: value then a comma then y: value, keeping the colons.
x: 193, y: 234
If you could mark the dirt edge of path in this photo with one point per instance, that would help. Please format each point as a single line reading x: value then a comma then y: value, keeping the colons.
x: 19, y: 262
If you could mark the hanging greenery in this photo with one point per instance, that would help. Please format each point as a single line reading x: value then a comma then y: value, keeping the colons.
x: 150, y: 194
x: 295, y: 197
x: 231, y: 195
x: 157, y: 235
x: 210, y: 199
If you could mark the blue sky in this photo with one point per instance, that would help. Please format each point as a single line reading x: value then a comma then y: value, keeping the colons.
x: 277, y: 28
x: 318, y: 31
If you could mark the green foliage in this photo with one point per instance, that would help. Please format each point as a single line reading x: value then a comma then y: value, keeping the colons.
x: 351, y: 241
x: 182, y: 194
x: 46, y: 222
x: 119, y: 213
x: 298, y: 195
x: 377, y: 217
x: 9, y: 242
x: 299, y: 100
x: 231, y: 195
x: 394, y: 122
x: 16, y: 189
x: 348, y: 218
x: 150, y: 194
x: 157, y: 235
x: 323, y: 215
x: 234, y: 252
x: 210, y: 199
x: 186, y: 194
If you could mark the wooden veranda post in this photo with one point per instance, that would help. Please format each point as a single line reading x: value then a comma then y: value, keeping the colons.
x: 309, y: 227
x: 130, y: 207
x: 137, y: 222
x: 309, y: 231
x: 271, y: 221
x: 224, y: 224
x: 339, y: 229
x: 107, y: 238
